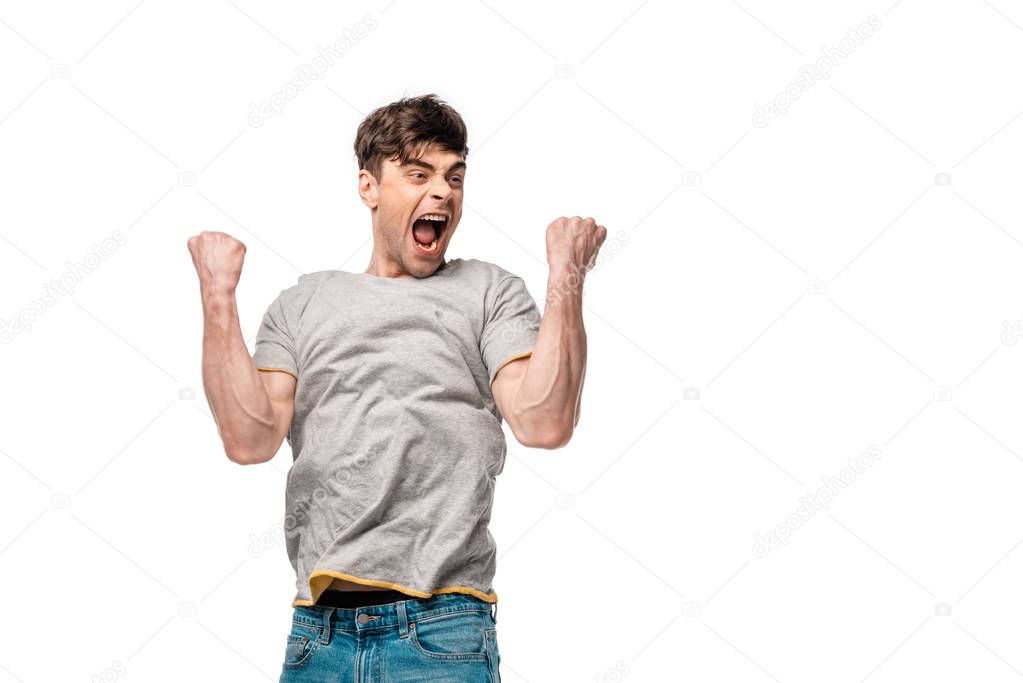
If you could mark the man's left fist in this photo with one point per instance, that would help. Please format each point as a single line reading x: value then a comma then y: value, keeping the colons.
x: 573, y: 243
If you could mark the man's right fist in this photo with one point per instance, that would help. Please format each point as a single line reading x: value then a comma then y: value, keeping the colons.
x: 218, y: 260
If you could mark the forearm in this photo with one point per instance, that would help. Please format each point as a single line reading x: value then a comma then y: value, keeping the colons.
x: 241, y: 407
x: 548, y: 397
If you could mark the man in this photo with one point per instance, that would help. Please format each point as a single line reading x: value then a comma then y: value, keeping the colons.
x: 391, y: 386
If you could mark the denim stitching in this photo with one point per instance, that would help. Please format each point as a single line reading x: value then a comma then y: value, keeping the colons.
x: 459, y: 656
x: 489, y: 637
x: 306, y: 648
x: 340, y: 615
x: 430, y: 616
x: 434, y: 617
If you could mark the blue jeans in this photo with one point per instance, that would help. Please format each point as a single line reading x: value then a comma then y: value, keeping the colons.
x: 448, y: 637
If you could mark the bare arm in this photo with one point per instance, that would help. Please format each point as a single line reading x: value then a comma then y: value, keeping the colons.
x: 540, y: 396
x: 252, y: 409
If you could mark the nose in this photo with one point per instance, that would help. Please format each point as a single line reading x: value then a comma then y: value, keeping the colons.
x: 439, y: 188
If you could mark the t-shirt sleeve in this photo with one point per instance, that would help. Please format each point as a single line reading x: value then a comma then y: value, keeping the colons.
x: 511, y: 325
x: 275, y: 342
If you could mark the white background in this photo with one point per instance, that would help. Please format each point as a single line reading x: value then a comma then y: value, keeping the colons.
x: 781, y: 299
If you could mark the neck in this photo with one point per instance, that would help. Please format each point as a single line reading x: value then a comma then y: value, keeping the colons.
x: 375, y: 268
x: 381, y: 265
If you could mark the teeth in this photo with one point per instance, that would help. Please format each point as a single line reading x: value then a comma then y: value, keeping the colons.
x: 433, y: 217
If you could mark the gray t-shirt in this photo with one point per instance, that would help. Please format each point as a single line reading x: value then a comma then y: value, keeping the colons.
x: 396, y: 437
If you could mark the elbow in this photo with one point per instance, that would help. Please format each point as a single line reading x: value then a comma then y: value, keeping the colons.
x: 548, y: 439
x: 242, y: 455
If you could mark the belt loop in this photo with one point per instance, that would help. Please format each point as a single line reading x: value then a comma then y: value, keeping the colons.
x: 402, y: 619
x: 494, y: 613
x: 325, y: 631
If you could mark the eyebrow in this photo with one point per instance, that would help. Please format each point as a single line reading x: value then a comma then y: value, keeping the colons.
x: 460, y: 166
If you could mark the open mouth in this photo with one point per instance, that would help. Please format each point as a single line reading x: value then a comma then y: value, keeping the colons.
x: 427, y: 231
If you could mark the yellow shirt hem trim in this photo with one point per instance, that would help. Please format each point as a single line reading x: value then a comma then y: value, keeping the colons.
x: 321, y: 578
x: 527, y: 354
x: 289, y: 372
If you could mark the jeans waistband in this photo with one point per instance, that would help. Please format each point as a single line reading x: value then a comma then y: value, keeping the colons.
x: 389, y: 615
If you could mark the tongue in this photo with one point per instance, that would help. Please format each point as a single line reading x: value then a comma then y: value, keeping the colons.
x: 424, y: 232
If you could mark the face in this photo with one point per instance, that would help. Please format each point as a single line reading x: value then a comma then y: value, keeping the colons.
x: 407, y: 203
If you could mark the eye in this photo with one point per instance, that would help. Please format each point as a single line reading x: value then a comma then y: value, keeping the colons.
x: 457, y: 179
x: 417, y: 174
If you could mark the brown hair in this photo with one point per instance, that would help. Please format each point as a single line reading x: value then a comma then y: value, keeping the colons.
x: 402, y: 130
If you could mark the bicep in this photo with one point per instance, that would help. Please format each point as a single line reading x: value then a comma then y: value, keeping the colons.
x: 280, y: 387
x: 505, y: 386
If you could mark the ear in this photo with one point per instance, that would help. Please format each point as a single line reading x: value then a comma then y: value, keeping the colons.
x: 369, y: 190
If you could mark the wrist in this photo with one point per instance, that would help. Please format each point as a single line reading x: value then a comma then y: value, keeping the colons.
x: 218, y: 301
x: 565, y: 282
x: 565, y: 272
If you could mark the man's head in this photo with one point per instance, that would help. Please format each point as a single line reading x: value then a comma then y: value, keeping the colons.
x: 411, y: 156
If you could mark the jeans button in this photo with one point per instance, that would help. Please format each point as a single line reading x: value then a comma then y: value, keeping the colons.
x: 363, y: 618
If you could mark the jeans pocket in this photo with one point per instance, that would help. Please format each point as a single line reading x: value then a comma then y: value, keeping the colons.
x: 303, y: 641
x: 453, y: 636
x: 494, y: 653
